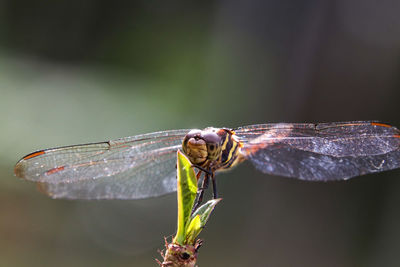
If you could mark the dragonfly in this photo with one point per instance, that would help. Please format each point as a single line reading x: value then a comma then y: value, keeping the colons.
x: 144, y: 166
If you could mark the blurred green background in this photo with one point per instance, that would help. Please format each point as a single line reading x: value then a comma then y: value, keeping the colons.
x: 83, y: 71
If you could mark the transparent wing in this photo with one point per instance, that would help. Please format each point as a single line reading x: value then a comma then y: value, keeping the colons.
x: 151, y: 177
x: 321, y: 152
x: 133, y: 167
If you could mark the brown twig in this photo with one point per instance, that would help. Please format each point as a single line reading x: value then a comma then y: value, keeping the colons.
x: 180, y: 255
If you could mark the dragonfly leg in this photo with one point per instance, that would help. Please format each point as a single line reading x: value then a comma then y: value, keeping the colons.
x: 204, y: 185
x: 198, y: 175
x: 214, y: 183
x: 202, y: 169
x: 200, y: 194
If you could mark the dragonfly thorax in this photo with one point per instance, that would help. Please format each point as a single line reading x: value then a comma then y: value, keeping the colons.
x: 203, y: 146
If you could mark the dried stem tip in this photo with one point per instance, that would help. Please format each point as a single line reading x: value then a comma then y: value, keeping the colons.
x: 181, y: 255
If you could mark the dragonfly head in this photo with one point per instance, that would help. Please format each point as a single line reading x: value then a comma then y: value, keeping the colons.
x: 202, y: 146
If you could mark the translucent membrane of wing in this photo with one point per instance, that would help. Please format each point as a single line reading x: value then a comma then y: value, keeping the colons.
x: 326, y: 151
x: 154, y: 177
x: 291, y: 162
x: 132, y: 167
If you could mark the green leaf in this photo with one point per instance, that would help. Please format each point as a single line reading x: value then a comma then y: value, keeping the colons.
x: 186, y: 191
x: 205, y: 210
x: 193, y: 230
x: 199, y: 219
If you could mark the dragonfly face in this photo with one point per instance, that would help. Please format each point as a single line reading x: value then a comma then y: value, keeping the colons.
x: 212, y: 148
x: 195, y: 146
x: 144, y: 165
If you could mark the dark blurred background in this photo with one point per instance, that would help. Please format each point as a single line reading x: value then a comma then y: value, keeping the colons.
x: 83, y: 71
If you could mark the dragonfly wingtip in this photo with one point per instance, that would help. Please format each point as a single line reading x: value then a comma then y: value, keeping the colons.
x: 19, y: 169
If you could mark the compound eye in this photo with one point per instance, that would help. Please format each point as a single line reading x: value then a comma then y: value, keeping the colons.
x: 193, y: 134
x: 211, y: 138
